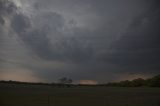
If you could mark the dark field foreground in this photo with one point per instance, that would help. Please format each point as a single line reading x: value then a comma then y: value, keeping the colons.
x: 38, y: 95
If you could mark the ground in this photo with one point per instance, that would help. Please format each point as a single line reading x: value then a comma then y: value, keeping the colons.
x: 40, y: 95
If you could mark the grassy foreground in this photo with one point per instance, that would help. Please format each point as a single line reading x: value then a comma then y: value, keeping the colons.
x: 41, y: 95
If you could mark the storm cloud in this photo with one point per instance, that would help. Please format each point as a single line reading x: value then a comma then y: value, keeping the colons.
x: 86, y: 40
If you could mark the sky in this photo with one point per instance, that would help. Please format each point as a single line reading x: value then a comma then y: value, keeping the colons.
x: 90, y: 41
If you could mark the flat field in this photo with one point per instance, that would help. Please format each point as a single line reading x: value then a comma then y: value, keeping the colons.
x: 38, y: 95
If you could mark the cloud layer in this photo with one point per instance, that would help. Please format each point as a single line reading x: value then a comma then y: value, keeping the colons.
x: 85, y: 40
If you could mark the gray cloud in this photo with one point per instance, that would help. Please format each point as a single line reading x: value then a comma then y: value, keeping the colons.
x: 2, y: 21
x: 140, y: 45
x: 6, y: 7
x: 93, y: 40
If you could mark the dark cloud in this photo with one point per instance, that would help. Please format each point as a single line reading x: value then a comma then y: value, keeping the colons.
x: 82, y: 39
x: 66, y: 48
x: 7, y: 7
x: 20, y: 23
x: 139, y: 46
x: 2, y: 21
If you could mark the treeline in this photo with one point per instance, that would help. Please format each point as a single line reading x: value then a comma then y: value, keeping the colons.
x: 139, y: 82
x: 18, y: 83
x: 26, y: 83
x: 61, y: 82
x: 64, y: 82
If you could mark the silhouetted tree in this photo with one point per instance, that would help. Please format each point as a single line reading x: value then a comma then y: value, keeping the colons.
x: 126, y: 83
x: 65, y: 80
x: 154, y: 82
x: 137, y: 82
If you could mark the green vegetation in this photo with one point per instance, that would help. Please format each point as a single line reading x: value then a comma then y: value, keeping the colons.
x: 139, y: 82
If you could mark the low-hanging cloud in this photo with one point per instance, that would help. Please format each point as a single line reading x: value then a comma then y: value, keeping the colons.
x: 94, y: 40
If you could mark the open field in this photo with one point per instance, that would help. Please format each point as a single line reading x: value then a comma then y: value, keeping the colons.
x: 38, y: 95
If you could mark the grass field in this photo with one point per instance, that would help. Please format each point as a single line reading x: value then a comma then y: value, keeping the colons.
x: 37, y: 95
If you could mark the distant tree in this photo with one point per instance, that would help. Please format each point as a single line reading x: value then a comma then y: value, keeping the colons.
x: 154, y: 82
x: 137, y: 82
x: 134, y: 83
x: 126, y: 83
x: 65, y: 80
x: 69, y: 81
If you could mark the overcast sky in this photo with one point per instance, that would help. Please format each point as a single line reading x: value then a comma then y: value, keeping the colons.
x: 86, y: 40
